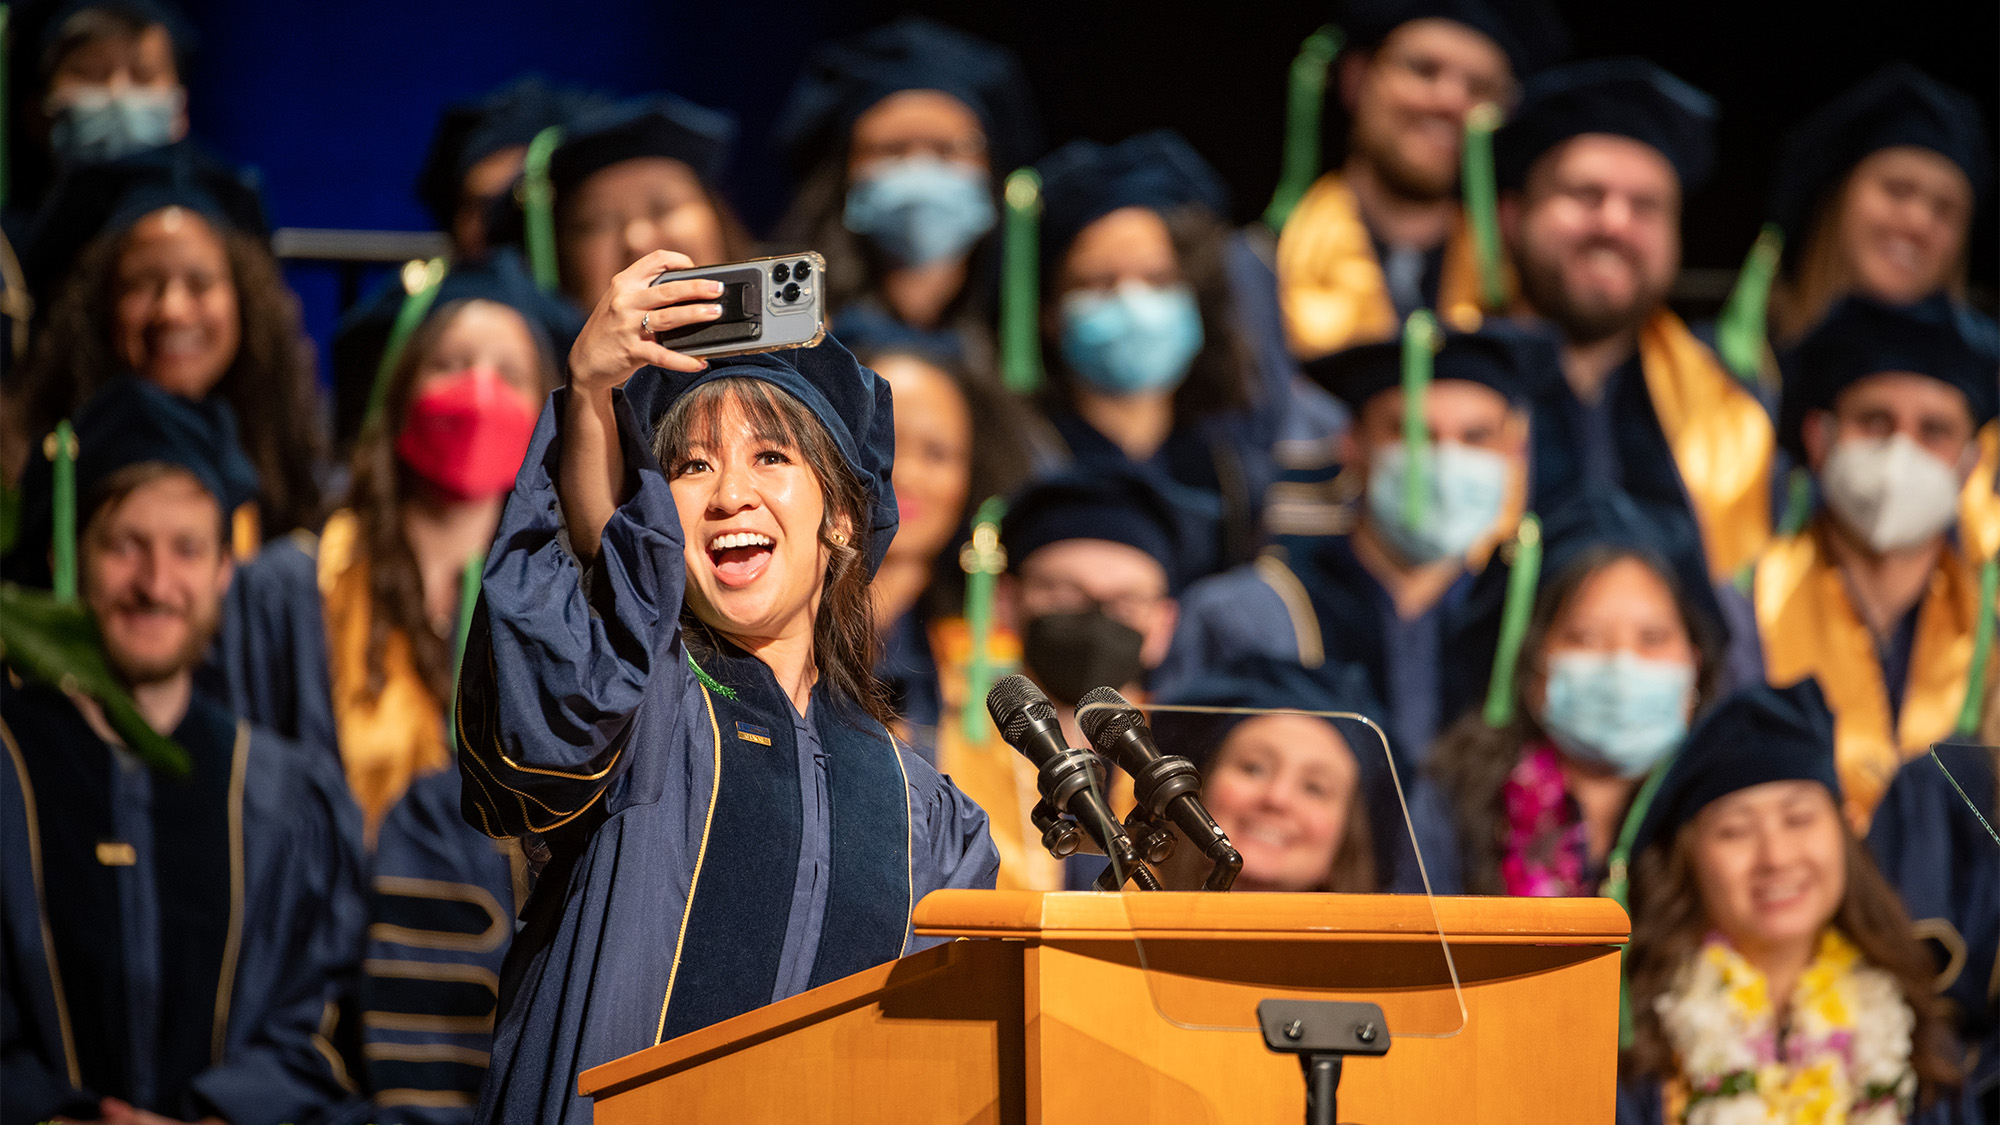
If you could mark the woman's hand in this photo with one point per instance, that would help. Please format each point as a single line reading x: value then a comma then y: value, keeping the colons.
x: 617, y: 340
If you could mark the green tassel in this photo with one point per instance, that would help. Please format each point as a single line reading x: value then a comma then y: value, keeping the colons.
x: 1421, y: 342
x: 468, y: 602
x: 983, y: 560
x: 1740, y: 335
x: 1798, y: 502
x: 1020, y: 285
x: 1482, y: 202
x: 538, y: 206
x: 61, y: 449
x: 1618, y: 884
x: 1521, y: 584
x: 710, y: 682
x: 1305, y: 94
x: 421, y: 281
x: 1982, y: 650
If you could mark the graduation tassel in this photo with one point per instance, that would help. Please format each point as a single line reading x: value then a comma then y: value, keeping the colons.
x: 983, y: 560
x: 1740, y: 338
x: 61, y: 449
x: 1420, y: 346
x: 421, y: 281
x: 1798, y: 502
x: 1482, y: 202
x: 1020, y: 284
x: 538, y: 202
x: 1521, y: 584
x: 1982, y: 651
x: 1305, y: 93
x: 1618, y: 883
x: 468, y: 601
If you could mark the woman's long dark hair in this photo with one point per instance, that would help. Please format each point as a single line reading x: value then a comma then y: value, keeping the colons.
x: 845, y: 644
x: 380, y: 486
x: 1669, y: 924
x: 1219, y: 377
x: 1471, y: 761
x: 269, y: 384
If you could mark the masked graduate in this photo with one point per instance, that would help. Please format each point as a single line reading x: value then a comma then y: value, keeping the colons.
x: 1875, y: 195
x: 626, y: 179
x: 1538, y: 791
x: 1878, y: 596
x: 897, y: 139
x: 1592, y: 169
x: 1928, y: 839
x: 176, y: 946
x: 668, y: 686
x: 1772, y: 975
x: 1384, y: 235
x: 1388, y: 588
x: 1147, y: 367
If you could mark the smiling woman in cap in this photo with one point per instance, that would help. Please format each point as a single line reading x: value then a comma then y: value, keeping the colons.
x: 667, y: 691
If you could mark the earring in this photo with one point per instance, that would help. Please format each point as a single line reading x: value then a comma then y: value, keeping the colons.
x: 839, y: 539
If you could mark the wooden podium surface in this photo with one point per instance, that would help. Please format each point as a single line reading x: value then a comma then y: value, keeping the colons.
x: 1047, y: 1014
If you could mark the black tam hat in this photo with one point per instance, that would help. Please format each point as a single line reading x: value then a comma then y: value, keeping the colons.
x: 1624, y: 97
x: 1141, y: 510
x: 1083, y: 181
x: 1531, y: 32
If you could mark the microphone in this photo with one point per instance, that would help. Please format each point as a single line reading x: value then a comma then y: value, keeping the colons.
x: 1167, y: 786
x: 1069, y: 780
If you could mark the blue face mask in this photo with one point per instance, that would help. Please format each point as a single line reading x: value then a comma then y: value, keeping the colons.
x: 1468, y: 487
x: 1622, y: 712
x: 94, y: 123
x: 920, y: 209
x: 1132, y: 340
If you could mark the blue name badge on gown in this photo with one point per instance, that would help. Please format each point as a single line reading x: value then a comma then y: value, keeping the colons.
x: 750, y: 732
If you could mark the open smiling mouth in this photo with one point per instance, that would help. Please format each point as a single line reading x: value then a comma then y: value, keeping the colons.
x: 739, y: 557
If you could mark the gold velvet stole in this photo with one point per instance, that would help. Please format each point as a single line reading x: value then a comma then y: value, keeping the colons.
x: 387, y: 740
x: 1330, y: 283
x: 1721, y: 439
x: 1979, y: 502
x: 246, y: 531
x: 1810, y: 628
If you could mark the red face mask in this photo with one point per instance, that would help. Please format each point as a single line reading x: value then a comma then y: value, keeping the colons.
x: 466, y: 434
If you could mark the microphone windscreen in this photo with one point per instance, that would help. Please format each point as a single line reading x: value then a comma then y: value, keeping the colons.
x: 1013, y: 702
x: 1103, y: 713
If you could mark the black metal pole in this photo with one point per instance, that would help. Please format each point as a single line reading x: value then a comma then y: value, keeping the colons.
x: 1322, y: 1088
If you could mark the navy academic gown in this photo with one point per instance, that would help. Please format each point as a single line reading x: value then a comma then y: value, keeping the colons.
x: 269, y: 658
x: 181, y: 945
x: 585, y: 727
x: 442, y: 911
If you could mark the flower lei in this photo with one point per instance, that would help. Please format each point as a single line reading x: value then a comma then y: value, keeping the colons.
x: 1846, y: 1059
x: 1546, y: 840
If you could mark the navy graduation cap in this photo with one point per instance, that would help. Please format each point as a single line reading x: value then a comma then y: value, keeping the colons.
x: 1860, y: 337
x: 1897, y: 105
x: 662, y: 125
x: 1759, y: 735
x: 1083, y: 181
x: 1122, y: 505
x: 1605, y: 516
x: 1625, y: 97
x: 1517, y: 361
x: 843, y: 79
x: 1530, y: 32
x: 108, y: 197
x: 150, y: 13
x: 469, y: 132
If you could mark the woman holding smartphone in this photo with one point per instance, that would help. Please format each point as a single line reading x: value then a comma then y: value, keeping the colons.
x: 667, y: 694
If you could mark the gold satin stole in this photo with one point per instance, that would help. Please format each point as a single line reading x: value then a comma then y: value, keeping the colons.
x: 1330, y: 284
x: 1810, y: 628
x: 1721, y: 439
x: 386, y: 740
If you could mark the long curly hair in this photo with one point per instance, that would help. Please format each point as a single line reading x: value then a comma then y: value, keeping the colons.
x: 379, y: 487
x: 1669, y: 924
x: 1471, y: 760
x: 269, y: 383
x: 845, y: 643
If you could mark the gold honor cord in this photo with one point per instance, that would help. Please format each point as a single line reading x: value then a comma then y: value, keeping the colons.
x: 468, y: 601
x: 1421, y: 343
x: 1020, y: 284
x: 1521, y: 583
x: 538, y: 201
x: 1740, y: 337
x: 1482, y: 203
x: 1305, y: 93
x: 983, y: 560
x: 421, y: 281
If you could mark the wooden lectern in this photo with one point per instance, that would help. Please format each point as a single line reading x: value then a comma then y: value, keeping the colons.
x: 1046, y: 1014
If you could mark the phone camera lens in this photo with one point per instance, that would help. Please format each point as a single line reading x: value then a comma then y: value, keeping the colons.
x: 781, y: 273
x: 802, y: 270
x: 791, y: 293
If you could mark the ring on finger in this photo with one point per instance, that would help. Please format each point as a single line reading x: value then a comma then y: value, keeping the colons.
x: 645, y: 323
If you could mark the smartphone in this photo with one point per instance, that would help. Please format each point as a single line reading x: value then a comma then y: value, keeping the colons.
x: 767, y: 304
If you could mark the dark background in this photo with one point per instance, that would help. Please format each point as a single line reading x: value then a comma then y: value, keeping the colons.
x: 334, y: 103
